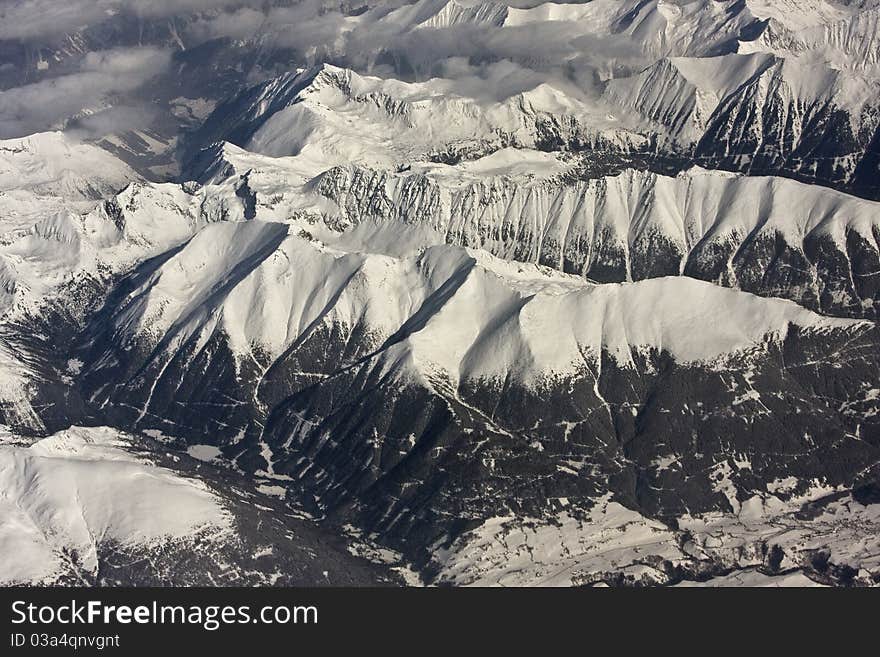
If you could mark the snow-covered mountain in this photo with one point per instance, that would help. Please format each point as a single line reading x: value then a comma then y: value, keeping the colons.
x: 766, y: 235
x: 83, y: 505
x: 54, y: 165
x: 485, y: 292
x: 756, y: 114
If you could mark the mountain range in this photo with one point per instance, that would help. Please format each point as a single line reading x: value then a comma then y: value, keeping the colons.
x: 447, y: 293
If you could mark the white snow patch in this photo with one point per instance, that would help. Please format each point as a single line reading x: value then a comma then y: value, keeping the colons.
x: 274, y: 491
x: 205, y: 453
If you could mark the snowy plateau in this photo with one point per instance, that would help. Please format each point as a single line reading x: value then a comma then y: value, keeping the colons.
x: 441, y: 292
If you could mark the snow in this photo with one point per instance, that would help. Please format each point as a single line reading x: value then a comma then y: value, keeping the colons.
x: 205, y: 453
x: 562, y: 549
x: 460, y: 312
x: 445, y: 14
x: 196, y: 108
x: 797, y: 14
x: 48, y: 243
x: 844, y: 529
x: 843, y: 37
x: 330, y: 124
x: 274, y: 491
x: 354, y: 211
x: 696, y: 206
x: 488, y: 329
x: 54, y: 164
x: 662, y: 70
x: 522, y: 165
x: 657, y: 27
x: 328, y: 116
x: 679, y: 95
x: 68, y: 495
x: 47, y: 181
x: 754, y: 578
x: 508, y: 551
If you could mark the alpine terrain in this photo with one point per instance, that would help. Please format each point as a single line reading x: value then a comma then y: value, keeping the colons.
x: 440, y: 292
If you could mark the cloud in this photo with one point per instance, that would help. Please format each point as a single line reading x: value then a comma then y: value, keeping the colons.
x: 489, y: 60
x: 113, y: 120
x: 32, y: 19
x: 241, y: 23
x: 28, y: 19
x: 101, y: 75
x: 366, y: 36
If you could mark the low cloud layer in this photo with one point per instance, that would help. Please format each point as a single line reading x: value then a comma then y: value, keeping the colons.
x: 95, y: 94
x: 31, y: 19
x: 367, y: 36
x: 102, y: 75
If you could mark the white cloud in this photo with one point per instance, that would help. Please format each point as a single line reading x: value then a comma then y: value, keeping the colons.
x: 50, y: 103
x: 28, y: 19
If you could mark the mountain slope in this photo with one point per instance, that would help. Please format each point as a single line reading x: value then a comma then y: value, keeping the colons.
x: 517, y: 372
x: 486, y: 292
x: 750, y: 113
